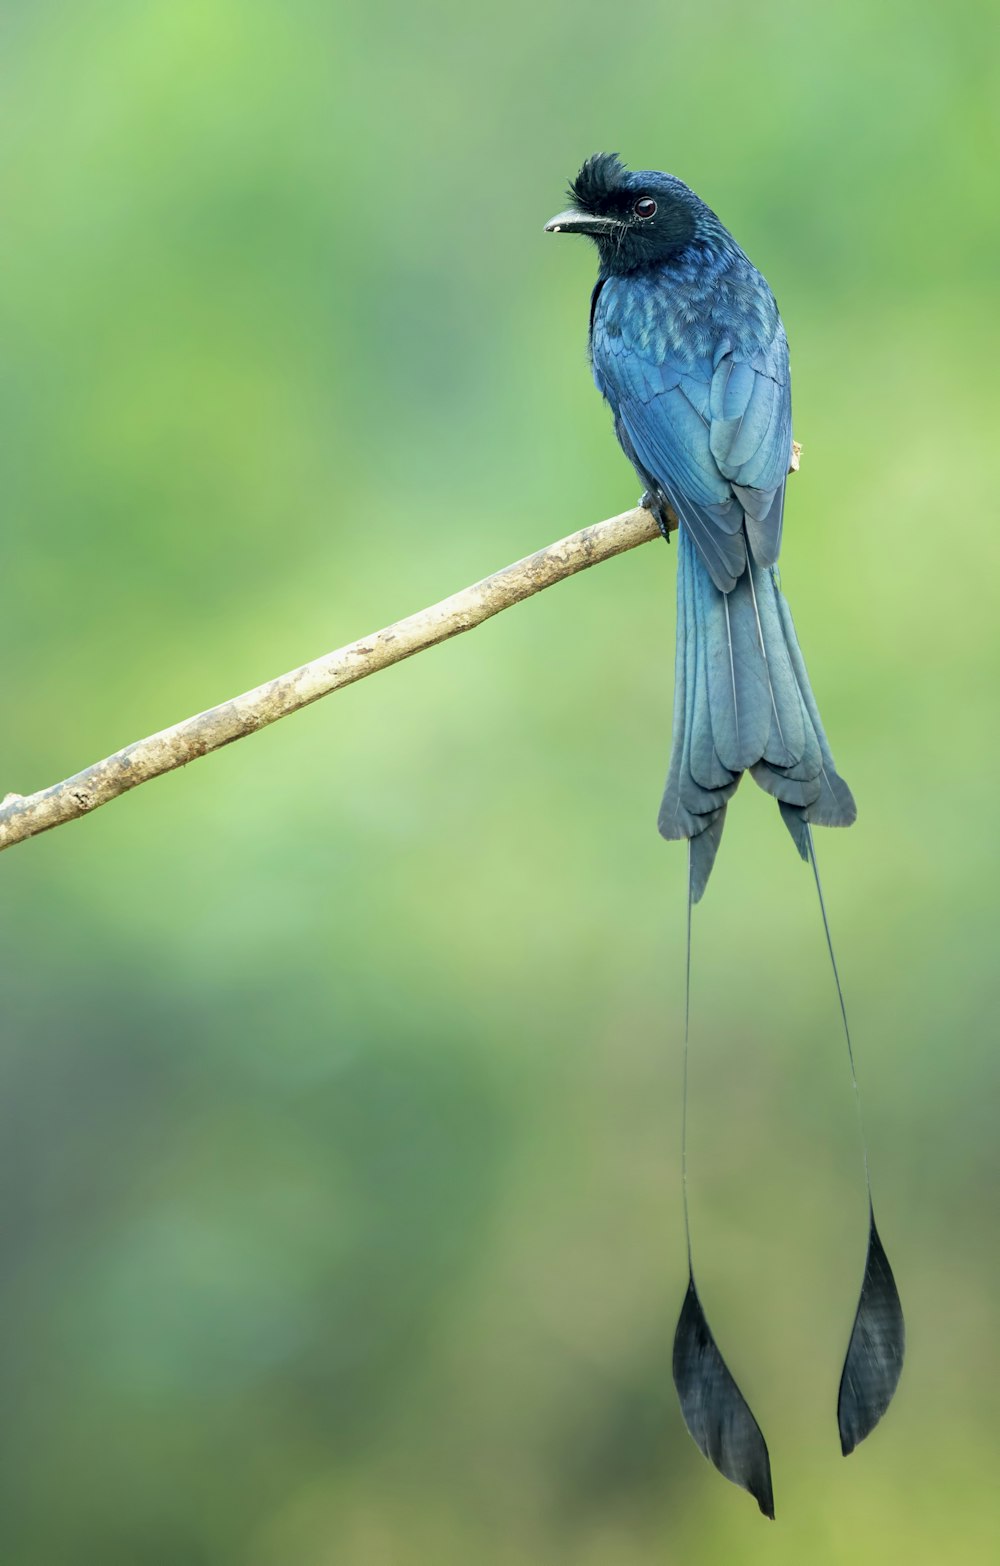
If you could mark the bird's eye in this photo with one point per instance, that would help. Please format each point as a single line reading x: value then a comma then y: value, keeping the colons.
x: 645, y: 207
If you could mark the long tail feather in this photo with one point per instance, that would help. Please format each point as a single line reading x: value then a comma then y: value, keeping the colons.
x: 715, y: 1411
x: 698, y: 786
x: 742, y: 702
x: 874, y: 1360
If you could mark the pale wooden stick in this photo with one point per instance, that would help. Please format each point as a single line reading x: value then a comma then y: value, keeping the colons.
x: 23, y: 816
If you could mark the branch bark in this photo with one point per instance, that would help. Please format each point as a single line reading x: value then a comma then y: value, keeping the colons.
x: 24, y: 816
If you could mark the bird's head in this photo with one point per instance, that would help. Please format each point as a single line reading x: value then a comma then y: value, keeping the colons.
x: 635, y: 219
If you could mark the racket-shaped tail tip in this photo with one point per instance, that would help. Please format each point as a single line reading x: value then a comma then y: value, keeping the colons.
x: 875, y: 1354
x: 715, y: 1410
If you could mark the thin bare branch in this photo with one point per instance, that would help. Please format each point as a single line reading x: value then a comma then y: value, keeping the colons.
x: 23, y: 816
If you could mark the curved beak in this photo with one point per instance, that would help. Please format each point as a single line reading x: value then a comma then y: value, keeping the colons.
x: 572, y: 222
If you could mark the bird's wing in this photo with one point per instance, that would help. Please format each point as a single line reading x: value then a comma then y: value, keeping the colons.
x: 750, y: 405
x: 714, y: 435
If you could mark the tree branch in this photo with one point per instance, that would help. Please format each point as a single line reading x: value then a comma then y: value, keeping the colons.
x: 25, y: 816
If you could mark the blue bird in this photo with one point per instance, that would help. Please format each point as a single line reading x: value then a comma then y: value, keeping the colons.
x: 688, y: 348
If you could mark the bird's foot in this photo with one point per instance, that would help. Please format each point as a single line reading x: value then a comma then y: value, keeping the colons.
x: 657, y: 506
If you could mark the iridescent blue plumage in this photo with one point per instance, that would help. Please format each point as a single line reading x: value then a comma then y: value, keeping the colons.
x: 688, y: 349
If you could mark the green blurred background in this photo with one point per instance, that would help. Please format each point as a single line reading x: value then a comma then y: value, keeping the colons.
x: 339, y: 1075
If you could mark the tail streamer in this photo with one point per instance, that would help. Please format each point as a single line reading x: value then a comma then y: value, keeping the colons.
x: 874, y: 1360
x: 714, y: 1409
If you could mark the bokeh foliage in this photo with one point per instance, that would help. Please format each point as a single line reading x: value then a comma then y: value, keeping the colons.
x: 339, y: 1075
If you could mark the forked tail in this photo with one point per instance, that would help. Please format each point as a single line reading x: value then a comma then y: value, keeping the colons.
x: 742, y: 701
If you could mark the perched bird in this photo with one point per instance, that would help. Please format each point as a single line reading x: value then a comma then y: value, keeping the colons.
x: 688, y: 348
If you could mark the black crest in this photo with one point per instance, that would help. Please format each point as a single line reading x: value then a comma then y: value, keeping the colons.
x: 600, y: 177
